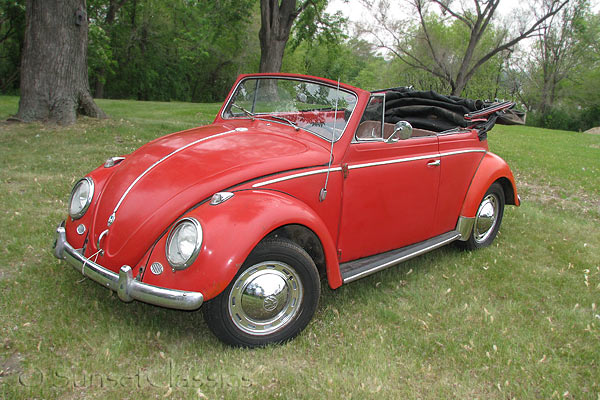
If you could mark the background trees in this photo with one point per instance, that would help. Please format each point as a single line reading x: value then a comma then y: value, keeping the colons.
x: 192, y: 50
x: 455, y: 43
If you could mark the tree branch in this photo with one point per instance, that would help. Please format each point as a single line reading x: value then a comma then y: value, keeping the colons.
x: 515, y: 40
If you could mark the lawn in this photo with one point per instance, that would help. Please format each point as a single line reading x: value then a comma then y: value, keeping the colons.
x: 520, y: 319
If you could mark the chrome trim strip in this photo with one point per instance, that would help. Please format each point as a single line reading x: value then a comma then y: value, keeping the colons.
x: 123, y: 283
x: 299, y: 175
x: 366, y: 165
x: 401, y: 259
x: 402, y: 160
x: 452, y: 153
x: 160, y: 161
x: 395, y: 161
x: 464, y: 226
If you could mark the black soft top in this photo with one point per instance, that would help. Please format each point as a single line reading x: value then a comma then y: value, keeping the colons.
x: 438, y: 113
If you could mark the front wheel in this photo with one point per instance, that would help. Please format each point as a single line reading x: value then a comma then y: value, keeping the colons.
x: 270, y: 300
x: 488, y: 219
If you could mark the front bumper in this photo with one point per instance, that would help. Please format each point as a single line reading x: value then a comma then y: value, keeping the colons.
x: 127, y: 288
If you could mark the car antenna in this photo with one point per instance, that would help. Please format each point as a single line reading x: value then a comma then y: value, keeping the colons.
x: 323, y: 193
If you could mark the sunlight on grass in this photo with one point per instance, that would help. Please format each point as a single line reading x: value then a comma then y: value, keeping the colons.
x: 520, y: 319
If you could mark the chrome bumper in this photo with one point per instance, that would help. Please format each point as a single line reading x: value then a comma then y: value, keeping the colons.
x: 127, y: 288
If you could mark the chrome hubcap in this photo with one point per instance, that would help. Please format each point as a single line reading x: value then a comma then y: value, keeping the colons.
x: 265, y: 298
x: 485, y: 220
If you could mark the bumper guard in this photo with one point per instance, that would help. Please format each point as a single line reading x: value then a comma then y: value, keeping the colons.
x: 127, y: 288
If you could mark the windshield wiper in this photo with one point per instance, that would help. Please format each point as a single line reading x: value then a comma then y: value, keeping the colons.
x: 284, y: 119
x: 248, y: 113
x: 252, y: 115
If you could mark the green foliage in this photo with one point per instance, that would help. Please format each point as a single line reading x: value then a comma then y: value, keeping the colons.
x: 566, y: 118
x: 314, y: 24
x: 171, y: 50
x: 342, y: 60
x: 12, y: 29
x: 560, y: 83
x: 100, y: 55
x: 449, y: 41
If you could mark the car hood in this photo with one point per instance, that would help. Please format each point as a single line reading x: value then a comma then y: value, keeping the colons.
x: 161, y: 180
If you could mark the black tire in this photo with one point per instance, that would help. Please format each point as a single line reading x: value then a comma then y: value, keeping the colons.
x: 487, y: 220
x: 271, y: 299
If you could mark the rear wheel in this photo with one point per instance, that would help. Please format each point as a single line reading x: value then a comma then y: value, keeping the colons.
x: 488, y: 219
x: 271, y: 299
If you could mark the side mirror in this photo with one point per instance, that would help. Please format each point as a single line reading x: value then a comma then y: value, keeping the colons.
x: 402, y: 130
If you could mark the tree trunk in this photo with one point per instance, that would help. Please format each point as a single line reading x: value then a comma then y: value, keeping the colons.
x: 271, y: 54
x: 99, y: 86
x: 54, y: 76
x: 276, y: 23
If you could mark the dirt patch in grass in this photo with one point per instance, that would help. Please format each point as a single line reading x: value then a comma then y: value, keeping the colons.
x: 594, y: 131
x: 548, y: 195
x: 10, y: 364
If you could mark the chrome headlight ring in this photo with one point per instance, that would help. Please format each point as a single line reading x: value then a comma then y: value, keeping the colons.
x: 81, y: 197
x: 184, y: 243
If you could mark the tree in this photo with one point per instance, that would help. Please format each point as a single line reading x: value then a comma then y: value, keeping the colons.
x: 470, y: 56
x: 171, y: 49
x: 558, y: 52
x: 277, y: 19
x: 12, y: 21
x: 54, y: 75
x: 106, y: 13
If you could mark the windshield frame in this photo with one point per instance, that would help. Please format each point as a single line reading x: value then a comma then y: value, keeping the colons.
x: 266, y: 117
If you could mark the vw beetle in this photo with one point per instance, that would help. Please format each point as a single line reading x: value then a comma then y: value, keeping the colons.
x: 298, y: 178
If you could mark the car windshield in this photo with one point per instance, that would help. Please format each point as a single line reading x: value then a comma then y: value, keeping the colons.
x: 321, y: 109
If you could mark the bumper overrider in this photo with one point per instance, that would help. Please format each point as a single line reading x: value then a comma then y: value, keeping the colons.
x: 127, y: 288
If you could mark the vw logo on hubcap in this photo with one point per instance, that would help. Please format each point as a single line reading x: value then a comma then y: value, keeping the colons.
x: 270, y: 303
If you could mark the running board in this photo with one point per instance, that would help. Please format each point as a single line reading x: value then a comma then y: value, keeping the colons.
x: 362, y: 267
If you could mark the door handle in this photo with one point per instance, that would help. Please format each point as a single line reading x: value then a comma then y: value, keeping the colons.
x: 434, y: 163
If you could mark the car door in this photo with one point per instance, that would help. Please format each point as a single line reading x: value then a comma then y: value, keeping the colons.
x: 389, y: 192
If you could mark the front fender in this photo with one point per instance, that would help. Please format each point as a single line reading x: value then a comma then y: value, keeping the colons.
x: 231, y: 231
x: 491, y: 169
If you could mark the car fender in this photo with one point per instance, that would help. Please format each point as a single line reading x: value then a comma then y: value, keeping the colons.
x: 231, y: 230
x: 491, y: 169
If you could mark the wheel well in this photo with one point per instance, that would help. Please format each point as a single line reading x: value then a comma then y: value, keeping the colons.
x: 509, y: 192
x: 305, y: 238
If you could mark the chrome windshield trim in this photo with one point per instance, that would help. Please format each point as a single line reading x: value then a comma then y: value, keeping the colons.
x: 290, y: 78
x: 127, y: 287
x: 150, y: 168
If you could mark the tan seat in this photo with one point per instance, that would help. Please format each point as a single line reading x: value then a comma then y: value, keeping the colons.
x: 372, y: 130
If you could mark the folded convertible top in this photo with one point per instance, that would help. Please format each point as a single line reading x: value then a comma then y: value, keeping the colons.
x: 436, y: 112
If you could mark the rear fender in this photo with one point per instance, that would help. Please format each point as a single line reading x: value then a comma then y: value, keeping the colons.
x: 231, y: 230
x: 491, y: 169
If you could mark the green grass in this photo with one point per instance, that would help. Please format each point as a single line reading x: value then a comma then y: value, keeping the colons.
x: 520, y: 319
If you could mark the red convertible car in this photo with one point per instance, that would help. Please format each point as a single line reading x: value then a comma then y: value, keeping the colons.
x: 298, y: 179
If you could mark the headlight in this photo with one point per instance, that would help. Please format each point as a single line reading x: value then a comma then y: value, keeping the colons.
x: 81, y: 197
x: 184, y: 243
